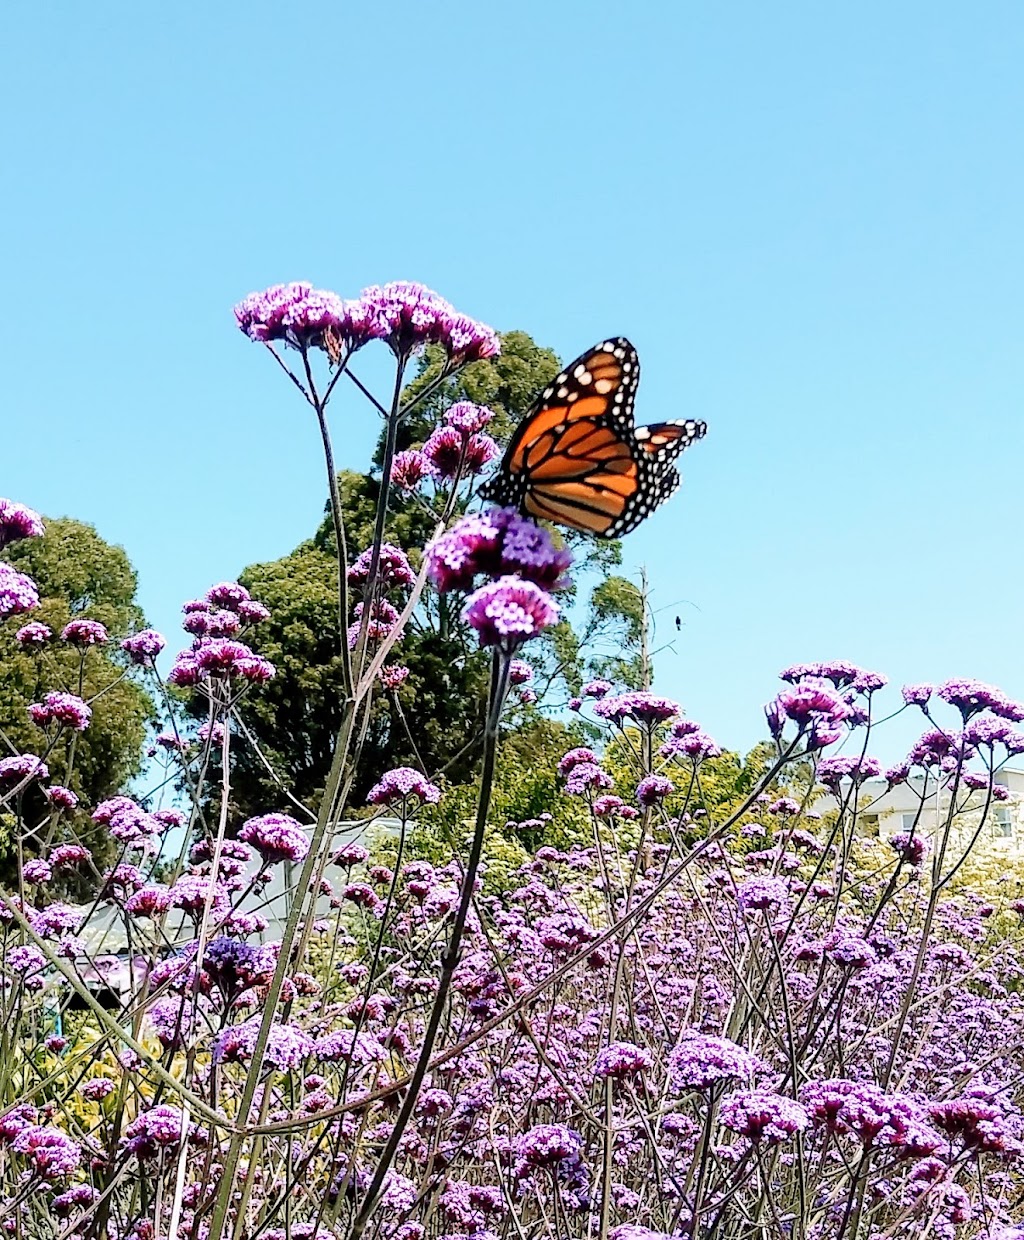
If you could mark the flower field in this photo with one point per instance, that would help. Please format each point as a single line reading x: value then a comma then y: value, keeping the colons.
x: 686, y: 1012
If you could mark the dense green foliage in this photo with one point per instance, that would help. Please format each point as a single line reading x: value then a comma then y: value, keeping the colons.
x: 78, y: 575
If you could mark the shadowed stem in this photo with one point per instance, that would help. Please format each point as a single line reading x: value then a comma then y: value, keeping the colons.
x: 499, y: 685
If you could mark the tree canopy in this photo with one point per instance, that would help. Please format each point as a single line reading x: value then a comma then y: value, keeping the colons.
x: 79, y: 576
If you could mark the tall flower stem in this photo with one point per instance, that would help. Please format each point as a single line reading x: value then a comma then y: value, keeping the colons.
x: 334, y: 790
x: 325, y: 819
x: 450, y: 959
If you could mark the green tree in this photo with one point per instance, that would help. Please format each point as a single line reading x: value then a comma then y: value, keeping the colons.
x: 78, y: 575
x: 434, y: 720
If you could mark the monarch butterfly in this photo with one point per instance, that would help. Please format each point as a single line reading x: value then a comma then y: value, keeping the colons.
x: 578, y: 460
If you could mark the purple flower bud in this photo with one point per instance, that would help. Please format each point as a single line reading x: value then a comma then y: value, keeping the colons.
x: 33, y: 634
x: 17, y: 521
x: 85, y: 633
x: 18, y: 593
x: 64, y: 709
x: 276, y: 837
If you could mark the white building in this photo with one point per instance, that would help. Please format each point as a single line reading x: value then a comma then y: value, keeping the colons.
x: 887, y: 811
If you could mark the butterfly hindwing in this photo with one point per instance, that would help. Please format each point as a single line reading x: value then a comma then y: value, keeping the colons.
x: 576, y: 458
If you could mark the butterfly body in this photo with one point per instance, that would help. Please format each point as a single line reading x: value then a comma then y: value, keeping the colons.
x: 577, y: 459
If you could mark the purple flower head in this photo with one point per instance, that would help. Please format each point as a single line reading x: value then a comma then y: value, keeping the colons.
x: 455, y: 455
x: 209, y: 734
x: 393, y: 676
x: 48, y: 1153
x: 185, y: 671
x: 287, y: 1047
x: 395, y: 786
x: 694, y: 745
x: 342, y: 1044
x: 276, y: 837
x: 840, y: 672
x: 305, y: 317
x: 16, y: 522
x: 64, y: 709
x: 159, y: 1128
x: 971, y: 696
x: 990, y: 730
x: 411, y: 316
x: 766, y: 894
x: 25, y: 960
x: 869, y: 682
x: 653, y: 789
x: 64, y: 856
x: 586, y: 777
x: 832, y: 771
x: 383, y: 618
x: 252, y: 612
x: 622, y: 1059
x: 816, y: 709
x: 149, y: 901
x: 233, y: 967
x: 410, y: 468
x: 646, y: 709
x: 125, y: 820
x: 911, y: 849
x: 700, y: 1061
x: 493, y: 544
x: 546, y: 1146
x: 36, y: 871
x: 784, y: 807
x: 219, y: 657
x: 468, y: 418
x: 607, y: 806
x: 977, y: 1123
x: 85, y: 633
x: 33, y: 634
x: 19, y: 1117
x: 519, y: 672
x: 850, y: 951
x: 143, y: 647
x: 195, y: 892
x: 597, y: 688
x: 575, y: 757
x: 212, y: 623
x: 18, y: 593
x: 393, y: 568
x: 936, y: 747
x: 898, y: 774
x: 56, y: 919
x: 21, y: 767
x: 633, y: 1231
x: 97, y: 1088
x: 227, y: 595
x: 508, y: 612
x: 917, y: 695
x: 761, y: 1115
x: 974, y: 780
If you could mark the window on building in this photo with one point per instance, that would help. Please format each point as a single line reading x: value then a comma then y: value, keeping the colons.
x: 1002, y: 824
x: 910, y: 822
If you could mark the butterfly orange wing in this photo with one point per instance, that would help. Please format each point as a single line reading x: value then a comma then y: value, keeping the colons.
x: 576, y: 458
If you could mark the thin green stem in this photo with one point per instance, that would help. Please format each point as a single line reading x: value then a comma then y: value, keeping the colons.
x: 450, y: 959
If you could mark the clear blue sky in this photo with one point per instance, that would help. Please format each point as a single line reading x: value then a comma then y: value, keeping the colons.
x: 807, y: 217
